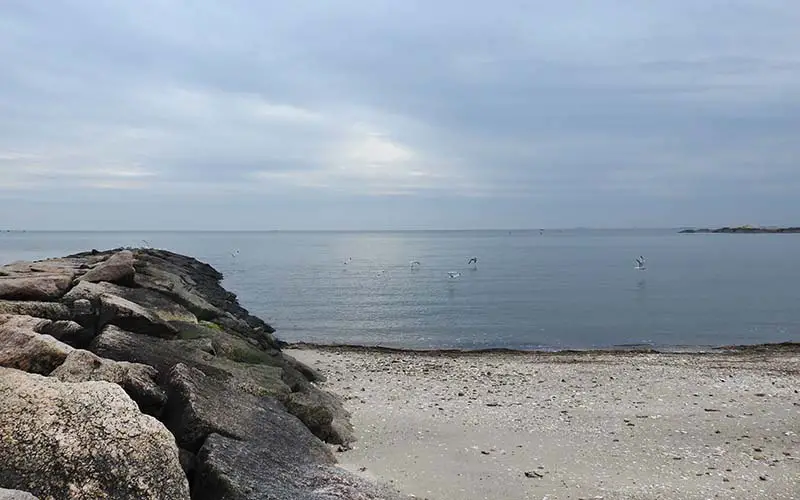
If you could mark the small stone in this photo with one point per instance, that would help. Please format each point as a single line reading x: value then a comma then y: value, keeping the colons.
x: 533, y: 474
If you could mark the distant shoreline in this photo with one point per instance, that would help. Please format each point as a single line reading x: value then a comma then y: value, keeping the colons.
x: 744, y: 230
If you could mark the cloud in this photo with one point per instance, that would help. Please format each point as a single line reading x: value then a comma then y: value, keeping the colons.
x: 536, y: 104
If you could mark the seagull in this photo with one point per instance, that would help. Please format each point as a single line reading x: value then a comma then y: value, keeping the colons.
x: 640, y: 263
x: 473, y: 260
x: 349, y: 260
x: 454, y: 274
x: 235, y: 253
x: 146, y: 243
x: 414, y: 264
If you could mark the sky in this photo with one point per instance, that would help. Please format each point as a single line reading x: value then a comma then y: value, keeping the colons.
x: 407, y: 114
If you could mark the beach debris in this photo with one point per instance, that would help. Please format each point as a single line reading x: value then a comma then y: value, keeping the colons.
x: 533, y: 474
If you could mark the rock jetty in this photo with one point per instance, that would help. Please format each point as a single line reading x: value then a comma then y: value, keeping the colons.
x: 132, y: 374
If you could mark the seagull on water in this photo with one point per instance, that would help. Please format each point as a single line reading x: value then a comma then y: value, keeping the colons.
x: 454, y: 274
x: 414, y: 264
x: 640, y: 263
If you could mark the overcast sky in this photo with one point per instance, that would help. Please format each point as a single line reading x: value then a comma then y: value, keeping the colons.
x: 201, y: 114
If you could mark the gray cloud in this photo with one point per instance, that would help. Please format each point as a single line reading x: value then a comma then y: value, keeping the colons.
x: 371, y: 115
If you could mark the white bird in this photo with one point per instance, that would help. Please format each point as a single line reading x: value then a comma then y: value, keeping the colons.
x: 349, y: 259
x: 454, y: 274
x: 640, y: 263
x: 473, y: 260
x: 414, y: 264
x: 235, y: 253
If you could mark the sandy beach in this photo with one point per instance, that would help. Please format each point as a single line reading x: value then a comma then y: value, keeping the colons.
x: 502, y: 425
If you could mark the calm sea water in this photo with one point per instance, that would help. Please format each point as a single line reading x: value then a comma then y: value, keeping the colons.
x: 560, y: 289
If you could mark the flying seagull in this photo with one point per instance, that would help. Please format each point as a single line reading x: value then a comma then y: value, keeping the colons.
x: 414, y: 263
x: 235, y: 253
x: 473, y: 260
x: 640, y: 263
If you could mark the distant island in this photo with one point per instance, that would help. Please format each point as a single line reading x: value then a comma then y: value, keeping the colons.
x: 744, y: 229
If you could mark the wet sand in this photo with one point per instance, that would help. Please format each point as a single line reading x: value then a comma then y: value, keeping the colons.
x: 447, y: 426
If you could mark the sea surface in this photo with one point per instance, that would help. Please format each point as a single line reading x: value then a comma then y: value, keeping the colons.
x: 554, y: 289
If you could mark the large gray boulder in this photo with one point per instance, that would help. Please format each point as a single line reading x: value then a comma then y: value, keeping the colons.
x: 239, y: 436
x: 15, y: 495
x: 109, y: 306
x: 153, y: 301
x: 47, y: 310
x: 241, y: 366
x: 49, y: 287
x: 235, y: 470
x: 45, y: 281
x: 66, y: 331
x: 198, y: 406
x: 229, y: 360
x: 157, y: 271
x: 131, y: 316
x: 162, y: 354
x: 323, y: 413
x: 83, y: 440
x: 116, y: 269
x: 24, y: 348
x: 138, y: 380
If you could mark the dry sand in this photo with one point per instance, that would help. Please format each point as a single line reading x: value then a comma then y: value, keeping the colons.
x: 447, y: 426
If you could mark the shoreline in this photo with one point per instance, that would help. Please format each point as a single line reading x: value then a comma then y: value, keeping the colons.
x: 777, y: 347
x: 496, y: 425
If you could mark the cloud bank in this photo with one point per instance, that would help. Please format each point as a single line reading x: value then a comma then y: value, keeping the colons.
x: 173, y: 114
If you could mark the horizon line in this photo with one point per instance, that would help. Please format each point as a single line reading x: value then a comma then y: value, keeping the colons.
x: 371, y: 230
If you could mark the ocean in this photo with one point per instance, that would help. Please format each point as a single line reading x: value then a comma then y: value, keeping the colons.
x: 556, y: 289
